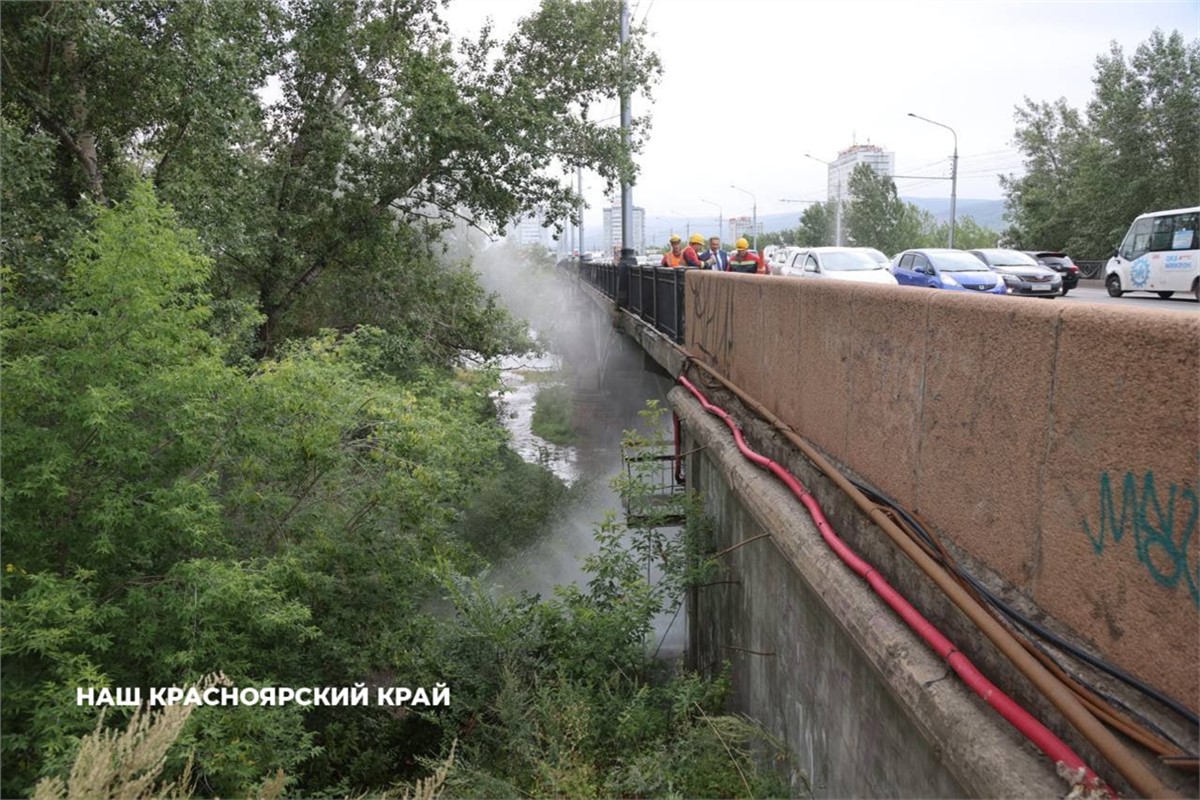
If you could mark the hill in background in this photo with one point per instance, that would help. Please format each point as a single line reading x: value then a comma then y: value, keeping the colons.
x: 988, y: 213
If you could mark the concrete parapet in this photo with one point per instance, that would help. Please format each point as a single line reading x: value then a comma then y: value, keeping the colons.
x: 1055, y: 442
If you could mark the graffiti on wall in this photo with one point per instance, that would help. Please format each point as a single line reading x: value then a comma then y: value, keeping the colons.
x: 1158, y: 525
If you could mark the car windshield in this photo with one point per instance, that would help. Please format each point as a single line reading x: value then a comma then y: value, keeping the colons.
x: 847, y: 260
x: 877, y: 257
x: 1008, y: 258
x: 958, y: 262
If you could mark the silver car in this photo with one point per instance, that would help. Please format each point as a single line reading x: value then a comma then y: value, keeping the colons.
x: 1021, y: 273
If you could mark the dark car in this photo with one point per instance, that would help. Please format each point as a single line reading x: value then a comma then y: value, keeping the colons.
x: 1022, y: 274
x: 1060, y: 263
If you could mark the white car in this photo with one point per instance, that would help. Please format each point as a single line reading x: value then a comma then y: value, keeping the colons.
x: 834, y: 263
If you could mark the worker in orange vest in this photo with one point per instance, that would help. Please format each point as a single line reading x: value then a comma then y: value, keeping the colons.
x: 677, y: 255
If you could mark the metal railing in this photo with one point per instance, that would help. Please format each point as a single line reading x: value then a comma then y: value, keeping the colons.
x: 654, y: 294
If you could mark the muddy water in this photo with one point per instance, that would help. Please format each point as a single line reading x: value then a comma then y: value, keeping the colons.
x: 516, y: 404
x: 610, y: 385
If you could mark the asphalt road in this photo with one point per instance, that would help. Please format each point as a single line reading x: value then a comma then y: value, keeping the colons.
x: 1094, y: 292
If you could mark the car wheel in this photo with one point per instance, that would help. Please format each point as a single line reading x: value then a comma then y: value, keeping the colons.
x: 1165, y: 295
x: 1113, y: 284
x: 1196, y: 289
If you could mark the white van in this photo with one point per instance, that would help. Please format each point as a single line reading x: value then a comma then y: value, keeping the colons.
x: 1160, y: 254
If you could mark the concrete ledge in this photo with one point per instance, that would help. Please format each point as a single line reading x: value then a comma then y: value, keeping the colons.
x: 847, y: 684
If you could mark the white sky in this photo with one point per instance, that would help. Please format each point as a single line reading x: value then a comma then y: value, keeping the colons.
x: 750, y: 86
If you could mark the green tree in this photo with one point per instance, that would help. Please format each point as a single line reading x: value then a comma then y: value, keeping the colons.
x: 153, y: 493
x: 817, y: 225
x: 322, y: 207
x: 968, y: 234
x: 875, y: 216
x: 1136, y: 149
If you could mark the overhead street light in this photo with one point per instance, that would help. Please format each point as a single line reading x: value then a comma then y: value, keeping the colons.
x: 838, y: 209
x: 754, y: 218
x: 720, y: 217
x: 953, y: 170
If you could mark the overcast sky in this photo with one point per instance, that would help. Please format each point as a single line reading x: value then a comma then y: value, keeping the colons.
x: 750, y: 86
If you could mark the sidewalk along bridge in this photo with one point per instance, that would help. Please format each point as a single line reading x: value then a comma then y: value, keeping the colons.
x: 1023, y: 475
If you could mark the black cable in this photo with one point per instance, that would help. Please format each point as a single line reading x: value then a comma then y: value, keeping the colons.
x: 1021, y: 619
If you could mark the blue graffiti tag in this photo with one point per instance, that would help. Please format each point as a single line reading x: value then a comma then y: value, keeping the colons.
x: 1149, y: 535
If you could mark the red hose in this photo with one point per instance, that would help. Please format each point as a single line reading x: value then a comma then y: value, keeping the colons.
x: 1054, y: 748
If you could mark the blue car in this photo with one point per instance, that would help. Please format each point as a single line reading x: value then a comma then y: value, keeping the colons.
x: 940, y: 268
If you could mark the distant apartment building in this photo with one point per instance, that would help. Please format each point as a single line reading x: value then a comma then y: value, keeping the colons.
x: 529, y: 231
x: 878, y: 159
x: 612, y: 229
x: 742, y: 226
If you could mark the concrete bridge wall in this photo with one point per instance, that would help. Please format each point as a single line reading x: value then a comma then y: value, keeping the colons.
x: 1054, y: 443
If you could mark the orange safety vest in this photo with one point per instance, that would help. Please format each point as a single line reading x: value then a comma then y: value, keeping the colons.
x: 672, y: 260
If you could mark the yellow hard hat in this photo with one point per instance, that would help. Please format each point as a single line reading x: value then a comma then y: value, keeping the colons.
x: 742, y: 244
x: 696, y: 239
x: 675, y: 238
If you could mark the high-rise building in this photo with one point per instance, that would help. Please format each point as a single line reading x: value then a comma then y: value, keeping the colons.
x: 742, y: 226
x: 883, y: 162
x: 529, y: 231
x: 612, y: 229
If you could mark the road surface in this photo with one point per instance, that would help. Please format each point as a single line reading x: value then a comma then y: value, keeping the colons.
x: 1095, y: 293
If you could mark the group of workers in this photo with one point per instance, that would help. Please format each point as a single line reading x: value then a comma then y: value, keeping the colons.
x: 742, y: 259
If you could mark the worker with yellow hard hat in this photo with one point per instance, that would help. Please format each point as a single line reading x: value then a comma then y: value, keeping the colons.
x: 691, y: 253
x: 674, y: 256
x: 746, y: 260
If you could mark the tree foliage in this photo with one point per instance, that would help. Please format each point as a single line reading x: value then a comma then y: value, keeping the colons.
x: 234, y: 436
x: 321, y: 206
x: 875, y: 216
x: 153, y: 492
x: 289, y: 522
x: 1134, y: 149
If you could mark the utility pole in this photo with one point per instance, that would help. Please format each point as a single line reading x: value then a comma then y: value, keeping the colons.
x: 838, y: 209
x: 579, y: 178
x: 953, y: 171
x: 627, y: 255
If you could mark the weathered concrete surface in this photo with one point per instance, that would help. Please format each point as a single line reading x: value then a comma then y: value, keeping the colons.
x: 865, y: 707
x: 1055, y: 444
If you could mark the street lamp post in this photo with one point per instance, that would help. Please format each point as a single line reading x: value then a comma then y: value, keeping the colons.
x: 754, y: 218
x: 838, y: 209
x: 953, y: 171
x: 720, y: 217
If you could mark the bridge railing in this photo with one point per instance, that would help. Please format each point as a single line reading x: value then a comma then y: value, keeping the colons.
x: 655, y: 294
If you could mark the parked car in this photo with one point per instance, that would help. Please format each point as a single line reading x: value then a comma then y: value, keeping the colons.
x: 1021, y: 273
x: 1059, y: 262
x: 835, y: 263
x: 941, y: 268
